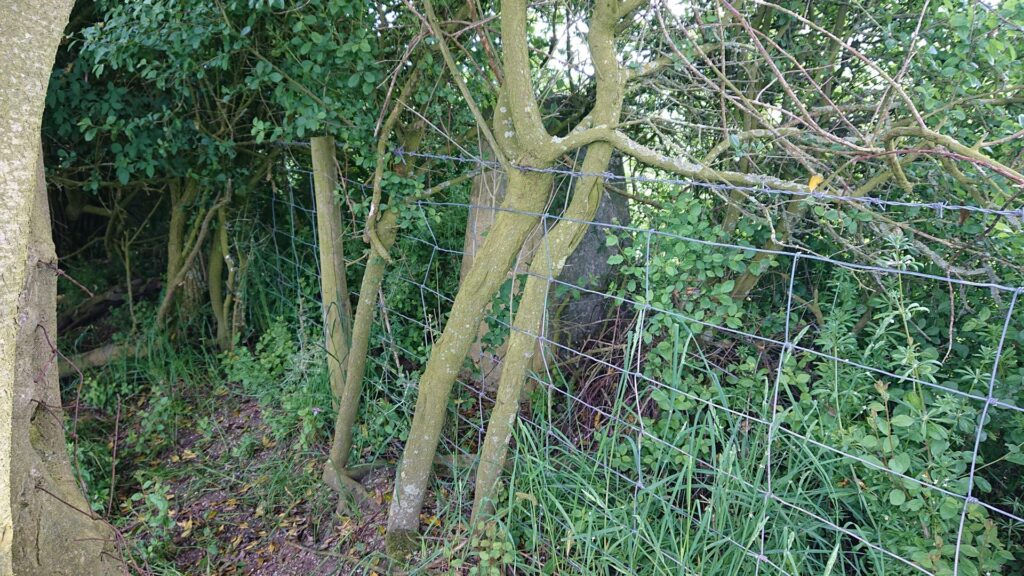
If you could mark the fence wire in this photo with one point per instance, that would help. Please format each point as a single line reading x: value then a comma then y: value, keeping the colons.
x: 758, y: 475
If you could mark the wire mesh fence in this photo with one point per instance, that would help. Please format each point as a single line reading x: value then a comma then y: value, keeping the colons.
x: 838, y: 417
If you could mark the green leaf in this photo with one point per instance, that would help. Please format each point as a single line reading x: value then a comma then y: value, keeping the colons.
x: 897, y: 497
x: 903, y: 421
x: 615, y: 259
x: 900, y: 463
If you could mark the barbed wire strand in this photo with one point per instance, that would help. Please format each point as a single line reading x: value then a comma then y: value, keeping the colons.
x: 939, y: 207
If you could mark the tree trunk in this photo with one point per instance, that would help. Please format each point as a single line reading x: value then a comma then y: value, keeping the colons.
x: 333, y: 287
x: 336, y: 472
x: 527, y: 194
x: 39, y: 534
x: 487, y: 194
x: 182, y: 256
x: 221, y: 291
x: 215, y: 285
x: 555, y: 249
x: 180, y: 200
x: 55, y: 532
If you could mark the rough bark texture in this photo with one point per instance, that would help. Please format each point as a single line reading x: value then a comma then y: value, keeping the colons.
x: 487, y: 194
x: 45, y: 527
x: 181, y: 198
x: 30, y: 32
x: 556, y: 248
x: 519, y: 134
x: 576, y: 318
x: 55, y: 532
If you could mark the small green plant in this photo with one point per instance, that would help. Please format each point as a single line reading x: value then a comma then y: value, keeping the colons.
x: 493, y: 551
x: 151, y: 506
x: 290, y: 383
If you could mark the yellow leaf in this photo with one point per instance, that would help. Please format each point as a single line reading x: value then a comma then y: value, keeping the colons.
x: 816, y: 180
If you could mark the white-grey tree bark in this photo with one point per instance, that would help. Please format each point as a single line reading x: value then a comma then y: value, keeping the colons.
x: 45, y: 523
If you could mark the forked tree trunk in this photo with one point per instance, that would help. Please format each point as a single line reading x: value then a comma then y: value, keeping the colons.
x: 45, y: 527
x: 522, y: 135
x: 181, y: 198
x: 527, y: 195
x: 182, y: 254
x: 555, y: 249
x: 485, y: 198
x: 221, y: 289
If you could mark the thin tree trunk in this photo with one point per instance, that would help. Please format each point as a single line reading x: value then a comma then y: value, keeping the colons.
x: 181, y: 271
x: 220, y: 290
x: 333, y: 286
x: 527, y: 195
x: 180, y: 199
x: 555, y: 249
x: 336, y: 472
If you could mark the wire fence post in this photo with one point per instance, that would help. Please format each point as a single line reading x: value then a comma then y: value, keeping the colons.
x: 989, y: 400
x: 773, y: 411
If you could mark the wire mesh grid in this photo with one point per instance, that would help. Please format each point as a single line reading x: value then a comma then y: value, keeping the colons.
x: 732, y: 423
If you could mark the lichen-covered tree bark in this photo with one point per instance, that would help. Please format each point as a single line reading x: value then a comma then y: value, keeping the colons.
x: 556, y: 248
x: 527, y: 194
x: 45, y: 523
x: 221, y: 289
x: 487, y: 194
x: 336, y: 472
x: 520, y: 135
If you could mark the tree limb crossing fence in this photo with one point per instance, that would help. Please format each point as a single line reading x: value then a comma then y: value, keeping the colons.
x: 681, y: 409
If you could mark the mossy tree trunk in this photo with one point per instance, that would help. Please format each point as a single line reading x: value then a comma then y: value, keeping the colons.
x: 556, y: 248
x: 55, y: 531
x: 336, y: 473
x: 183, y: 252
x: 487, y: 194
x: 519, y: 133
x: 222, y: 289
x: 182, y: 196
x: 527, y: 194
